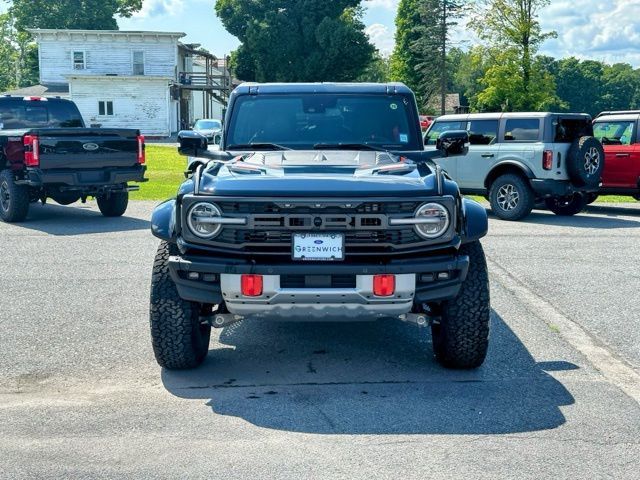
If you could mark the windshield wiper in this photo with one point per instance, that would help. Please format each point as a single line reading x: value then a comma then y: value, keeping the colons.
x: 256, y: 146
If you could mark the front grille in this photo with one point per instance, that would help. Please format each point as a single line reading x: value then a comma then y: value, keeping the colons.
x: 318, y: 281
x: 249, y: 238
x: 388, y: 208
x: 270, y: 226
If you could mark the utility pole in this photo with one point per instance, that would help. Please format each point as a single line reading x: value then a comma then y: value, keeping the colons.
x: 443, y: 86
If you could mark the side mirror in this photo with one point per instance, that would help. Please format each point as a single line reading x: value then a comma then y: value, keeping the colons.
x: 190, y: 143
x: 453, y: 143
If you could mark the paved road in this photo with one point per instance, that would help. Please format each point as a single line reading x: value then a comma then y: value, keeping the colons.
x: 80, y: 393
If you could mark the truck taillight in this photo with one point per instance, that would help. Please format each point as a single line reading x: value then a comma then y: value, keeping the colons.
x: 141, y: 153
x: 547, y: 160
x: 31, y: 151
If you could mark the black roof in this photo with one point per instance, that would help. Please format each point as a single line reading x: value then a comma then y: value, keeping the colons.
x: 276, y: 88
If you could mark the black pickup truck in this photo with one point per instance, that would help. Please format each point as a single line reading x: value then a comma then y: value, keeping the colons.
x: 46, y: 152
x: 322, y: 204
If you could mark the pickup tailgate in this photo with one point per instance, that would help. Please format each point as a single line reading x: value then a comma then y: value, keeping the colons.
x: 87, y: 148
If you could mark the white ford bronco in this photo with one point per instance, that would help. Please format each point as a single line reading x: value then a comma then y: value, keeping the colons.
x: 516, y: 160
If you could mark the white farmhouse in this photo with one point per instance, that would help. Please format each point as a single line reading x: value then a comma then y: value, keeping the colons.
x: 143, y: 80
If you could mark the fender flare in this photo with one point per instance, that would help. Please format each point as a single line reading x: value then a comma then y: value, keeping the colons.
x: 526, y: 171
x: 476, y: 221
x: 163, y: 220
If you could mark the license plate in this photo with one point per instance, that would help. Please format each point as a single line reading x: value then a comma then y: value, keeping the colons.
x: 325, y: 247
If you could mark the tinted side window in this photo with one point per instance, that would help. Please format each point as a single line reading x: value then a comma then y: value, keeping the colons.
x: 64, y: 115
x: 34, y: 114
x: 614, y: 133
x: 440, y: 127
x: 522, y: 130
x: 483, y: 132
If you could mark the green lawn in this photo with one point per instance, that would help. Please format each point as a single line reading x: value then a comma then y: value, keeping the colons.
x: 605, y: 199
x: 165, y: 171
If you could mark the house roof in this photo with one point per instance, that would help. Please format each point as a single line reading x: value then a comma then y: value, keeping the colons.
x: 137, y: 78
x: 40, y: 91
x: 451, y: 102
x: 38, y: 32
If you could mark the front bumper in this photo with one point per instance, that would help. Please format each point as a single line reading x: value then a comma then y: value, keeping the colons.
x: 558, y: 188
x: 433, y: 279
x: 83, y: 179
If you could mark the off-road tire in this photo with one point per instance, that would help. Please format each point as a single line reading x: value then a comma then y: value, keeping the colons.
x: 14, y: 199
x: 585, y: 162
x: 178, y: 337
x: 461, y: 338
x: 113, y: 205
x: 567, y: 206
x: 517, y: 184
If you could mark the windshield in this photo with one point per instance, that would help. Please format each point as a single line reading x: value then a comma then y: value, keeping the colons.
x: 614, y: 133
x: 300, y: 121
x: 34, y: 114
x: 207, y: 125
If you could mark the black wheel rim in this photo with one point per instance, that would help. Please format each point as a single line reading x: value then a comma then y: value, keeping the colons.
x: 5, y: 196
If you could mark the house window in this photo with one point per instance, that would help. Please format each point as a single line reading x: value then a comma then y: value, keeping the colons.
x: 138, y: 63
x: 105, y: 108
x: 79, y: 60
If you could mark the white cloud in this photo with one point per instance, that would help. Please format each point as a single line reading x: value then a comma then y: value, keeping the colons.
x: 386, y: 4
x: 609, y: 32
x: 157, y: 8
x: 382, y: 37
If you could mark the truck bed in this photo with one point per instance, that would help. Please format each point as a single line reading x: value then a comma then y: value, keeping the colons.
x: 86, y: 148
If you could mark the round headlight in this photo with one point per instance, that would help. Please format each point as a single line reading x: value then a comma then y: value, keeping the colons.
x: 432, y: 220
x: 199, y: 219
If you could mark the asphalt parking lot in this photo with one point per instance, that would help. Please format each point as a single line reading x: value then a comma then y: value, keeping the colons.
x: 81, y: 395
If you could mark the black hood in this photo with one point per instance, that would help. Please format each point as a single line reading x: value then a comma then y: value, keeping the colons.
x: 317, y: 173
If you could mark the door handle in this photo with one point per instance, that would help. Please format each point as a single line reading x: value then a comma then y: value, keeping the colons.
x: 488, y: 155
x: 622, y: 155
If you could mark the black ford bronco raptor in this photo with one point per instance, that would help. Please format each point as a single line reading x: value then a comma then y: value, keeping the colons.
x: 321, y: 204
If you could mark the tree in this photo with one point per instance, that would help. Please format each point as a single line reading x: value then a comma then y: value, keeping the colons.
x: 467, y: 69
x: 297, y: 40
x: 18, y: 56
x: 579, y: 84
x: 504, y: 87
x: 72, y: 14
x: 378, y: 71
x: 514, y: 25
x: 403, y: 63
x: 422, y: 40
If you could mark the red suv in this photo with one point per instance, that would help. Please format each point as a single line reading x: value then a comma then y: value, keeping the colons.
x: 618, y: 133
x: 425, y: 122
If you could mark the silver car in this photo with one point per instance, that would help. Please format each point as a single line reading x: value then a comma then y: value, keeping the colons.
x: 209, y: 128
x: 517, y: 160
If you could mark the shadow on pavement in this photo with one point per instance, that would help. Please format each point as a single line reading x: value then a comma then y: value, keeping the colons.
x: 375, y: 378
x: 76, y: 219
x: 613, y: 210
